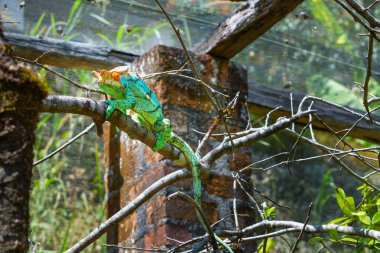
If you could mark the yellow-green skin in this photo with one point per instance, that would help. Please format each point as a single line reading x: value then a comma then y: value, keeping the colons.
x: 132, y: 93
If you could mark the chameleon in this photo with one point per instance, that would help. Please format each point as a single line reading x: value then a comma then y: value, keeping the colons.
x: 131, y: 93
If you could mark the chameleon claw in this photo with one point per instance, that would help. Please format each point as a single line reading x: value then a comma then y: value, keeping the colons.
x: 110, y: 108
x: 160, y: 143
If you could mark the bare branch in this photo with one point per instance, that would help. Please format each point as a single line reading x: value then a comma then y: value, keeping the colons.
x: 293, y: 226
x: 129, y: 208
x: 260, y: 134
x: 96, y: 110
x: 201, y: 213
x: 86, y: 131
x: 368, y: 76
x: 364, y: 13
x: 303, y: 229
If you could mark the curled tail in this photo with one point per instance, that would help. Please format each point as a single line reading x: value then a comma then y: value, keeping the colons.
x: 193, y: 161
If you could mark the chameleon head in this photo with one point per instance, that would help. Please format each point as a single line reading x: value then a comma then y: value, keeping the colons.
x: 109, y: 81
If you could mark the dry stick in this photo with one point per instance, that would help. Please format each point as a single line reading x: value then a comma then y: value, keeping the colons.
x: 345, y: 167
x: 337, y: 153
x: 133, y: 248
x: 189, y: 242
x: 223, y: 219
x: 174, y: 72
x: 298, y: 226
x: 267, y: 117
x: 194, y: 69
x: 262, y: 195
x: 87, y: 130
x: 293, y: 151
x: 234, y: 175
x: 357, y: 18
x: 78, y: 85
x: 372, y: 100
x: 129, y: 208
x: 231, y: 105
x: 192, y: 65
x: 368, y: 76
x: 200, y: 211
x: 372, y: 4
x: 353, y: 150
x: 341, y: 139
x: 364, y: 13
x: 303, y: 229
x: 263, y: 160
x: 303, y: 101
x: 252, y: 199
x: 253, y: 137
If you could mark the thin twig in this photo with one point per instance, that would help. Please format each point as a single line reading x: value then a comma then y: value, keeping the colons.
x: 87, y: 130
x: 368, y: 76
x: 235, y: 175
x: 78, y: 85
x: 212, y: 99
x: 358, y: 19
x: 129, y: 208
x: 200, y: 211
x: 303, y: 229
x: 133, y: 248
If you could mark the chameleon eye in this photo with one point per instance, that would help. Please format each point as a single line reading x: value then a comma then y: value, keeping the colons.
x: 115, y: 76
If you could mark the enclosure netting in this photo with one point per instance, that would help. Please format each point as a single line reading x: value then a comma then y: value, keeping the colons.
x: 314, y: 50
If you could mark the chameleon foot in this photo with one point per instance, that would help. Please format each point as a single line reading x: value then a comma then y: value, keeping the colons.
x: 160, y: 143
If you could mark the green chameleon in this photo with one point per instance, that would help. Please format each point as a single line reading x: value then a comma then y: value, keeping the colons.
x: 131, y: 93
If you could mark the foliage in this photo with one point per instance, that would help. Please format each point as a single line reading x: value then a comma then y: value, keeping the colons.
x: 59, y: 28
x: 365, y: 214
x: 127, y: 37
x: 60, y: 209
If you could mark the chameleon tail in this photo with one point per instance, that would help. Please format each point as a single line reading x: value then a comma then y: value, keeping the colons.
x: 179, y: 143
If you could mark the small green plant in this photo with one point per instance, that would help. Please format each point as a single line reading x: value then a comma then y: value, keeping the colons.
x: 365, y: 215
x: 127, y: 37
x: 59, y: 28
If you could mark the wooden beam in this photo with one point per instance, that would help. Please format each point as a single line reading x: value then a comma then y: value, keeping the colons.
x: 67, y: 54
x: 247, y: 23
x: 262, y: 99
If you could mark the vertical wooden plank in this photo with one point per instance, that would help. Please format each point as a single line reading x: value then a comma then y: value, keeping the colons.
x: 112, y: 180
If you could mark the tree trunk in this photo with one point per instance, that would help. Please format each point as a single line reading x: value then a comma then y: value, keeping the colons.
x: 21, y: 93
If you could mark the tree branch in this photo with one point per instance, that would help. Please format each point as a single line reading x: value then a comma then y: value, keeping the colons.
x: 298, y: 227
x: 96, y: 110
x: 129, y: 208
x: 261, y: 133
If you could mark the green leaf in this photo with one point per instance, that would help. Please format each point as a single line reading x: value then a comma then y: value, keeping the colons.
x: 120, y: 33
x: 360, y: 213
x: 35, y: 28
x: 269, y: 212
x: 342, y: 39
x: 316, y: 239
x: 349, y: 240
x: 365, y: 219
x: 101, y: 19
x: 270, y: 245
x: 53, y: 25
x: 73, y: 10
x: 106, y: 39
x: 348, y: 221
x: 338, y: 220
x: 334, y: 235
x: 72, y: 36
x: 346, y: 204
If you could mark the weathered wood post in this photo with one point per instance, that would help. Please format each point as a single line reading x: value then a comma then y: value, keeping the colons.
x: 21, y: 93
x: 159, y: 222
